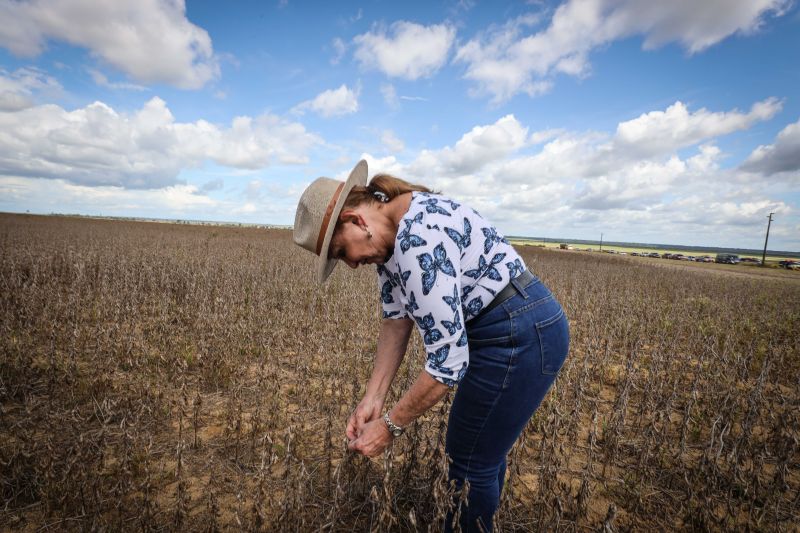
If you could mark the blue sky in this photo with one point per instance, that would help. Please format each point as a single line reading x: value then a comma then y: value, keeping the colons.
x: 672, y: 122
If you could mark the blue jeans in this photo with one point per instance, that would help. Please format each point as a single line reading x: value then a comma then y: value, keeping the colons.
x: 515, y: 353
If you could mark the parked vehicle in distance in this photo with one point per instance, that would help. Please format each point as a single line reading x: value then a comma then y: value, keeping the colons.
x: 792, y: 264
x: 654, y: 254
x: 679, y: 257
x: 668, y: 256
x: 705, y: 259
x: 750, y: 260
x: 730, y: 259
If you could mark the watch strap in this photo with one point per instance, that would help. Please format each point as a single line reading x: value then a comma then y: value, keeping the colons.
x: 394, y: 429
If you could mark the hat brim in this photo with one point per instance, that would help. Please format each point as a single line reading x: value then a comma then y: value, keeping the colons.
x: 358, y: 176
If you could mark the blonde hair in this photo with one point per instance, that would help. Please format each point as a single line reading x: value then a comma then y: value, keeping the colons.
x: 380, y: 185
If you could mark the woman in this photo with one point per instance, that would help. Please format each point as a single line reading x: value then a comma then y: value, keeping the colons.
x: 489, y: 326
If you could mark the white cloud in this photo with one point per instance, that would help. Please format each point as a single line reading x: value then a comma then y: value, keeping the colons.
x: 407, y: 50
x: 213, y: 185
x: 390, y: 95
x: 339, y: 49
x: 782, y: 156
x: 102, y: 80
x: 510, y: 59
x: 18, y: 88
x: 332, y: 103
x: 475, y: 149
x: 633, y: 186
x: 150, y: 40
x: 96, y: 145
x: 55, y: 195
x: 661, y: 132
x: 743, y: 213
x: 378, y: 165
x: 391, y: 141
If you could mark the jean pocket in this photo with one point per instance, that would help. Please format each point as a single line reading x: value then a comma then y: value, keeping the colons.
x: 500, y: 342
x: 554, y: 341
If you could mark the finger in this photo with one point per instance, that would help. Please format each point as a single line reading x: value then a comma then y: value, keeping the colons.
x: 351, y: 429
x: 353, y: 445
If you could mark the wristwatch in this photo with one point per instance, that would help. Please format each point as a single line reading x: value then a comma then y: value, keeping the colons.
x: 394, y: 429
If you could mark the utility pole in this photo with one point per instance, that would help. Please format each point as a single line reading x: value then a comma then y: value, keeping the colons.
x: 601, y: 242
x: 764, y: 255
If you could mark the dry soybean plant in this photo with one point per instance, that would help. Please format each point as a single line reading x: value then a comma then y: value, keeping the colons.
x: 179, y: 377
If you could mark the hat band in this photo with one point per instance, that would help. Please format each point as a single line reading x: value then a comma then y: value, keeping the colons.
x: 327, y: 218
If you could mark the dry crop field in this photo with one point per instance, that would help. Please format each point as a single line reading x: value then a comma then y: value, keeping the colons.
x: 169, y: 377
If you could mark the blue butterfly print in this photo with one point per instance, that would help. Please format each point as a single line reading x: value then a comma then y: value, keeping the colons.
x: 417, y: 219
x: 491, y: 238
x: 435, y: 226
x: 487, y: 269
x: 453, y: 382
x: 462, y: 371
x: 462, y: 241
x: 475, y: 306
x: 401, y: 278
x: 386, y: 292
x: 444, y: 370
x: 431, y: 266
x: 514, y: 268
x: 465, y: 291
x: 453, y: 300
x: 407, y: 239
x: 462, y: 341
x: 439, y: 356
x: 432, y: 206
x: 390, y: 314
x: 491, y: 272
x: 382, y: 270
x: 430, y: 334
x: 453, y: 205
x: 411, y: 306
x: 453, y: 326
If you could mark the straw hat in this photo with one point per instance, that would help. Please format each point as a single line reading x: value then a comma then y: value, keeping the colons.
x: 318, y: 211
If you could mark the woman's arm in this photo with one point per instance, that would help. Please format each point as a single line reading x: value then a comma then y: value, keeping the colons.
x: 392, y: 343
x: 423, y: 394
x: 374, y: 436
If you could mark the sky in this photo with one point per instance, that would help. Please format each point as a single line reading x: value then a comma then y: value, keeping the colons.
x: 647, y: 121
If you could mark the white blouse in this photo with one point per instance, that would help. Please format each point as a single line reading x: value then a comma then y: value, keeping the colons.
x: 448, y: 264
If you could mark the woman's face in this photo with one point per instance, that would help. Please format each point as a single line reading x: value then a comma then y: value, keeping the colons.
x: 351, y: 243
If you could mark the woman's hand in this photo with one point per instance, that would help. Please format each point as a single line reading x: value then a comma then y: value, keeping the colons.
x: 372, y: 440
x: 367, y: 410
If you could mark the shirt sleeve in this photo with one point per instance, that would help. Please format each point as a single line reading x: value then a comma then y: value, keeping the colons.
x: 433, y: 290
x: 391, y: 304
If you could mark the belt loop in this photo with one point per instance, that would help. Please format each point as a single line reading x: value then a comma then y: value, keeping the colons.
x: 520, y: 289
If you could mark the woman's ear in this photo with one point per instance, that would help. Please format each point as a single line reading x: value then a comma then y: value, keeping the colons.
x: 352, y: 216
